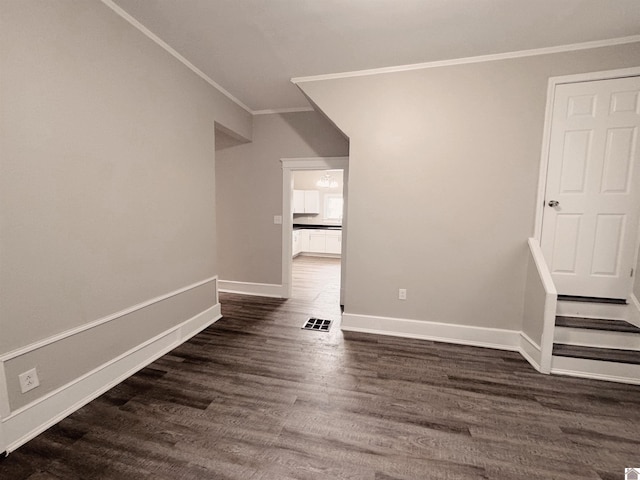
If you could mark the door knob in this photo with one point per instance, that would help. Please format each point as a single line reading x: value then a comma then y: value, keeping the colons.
x: 554, y: 203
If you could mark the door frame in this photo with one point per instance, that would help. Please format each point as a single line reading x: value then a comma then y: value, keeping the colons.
x: 289, y: 165
x: 546, y: 136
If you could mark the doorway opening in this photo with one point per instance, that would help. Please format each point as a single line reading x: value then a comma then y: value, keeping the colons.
x: 314, y: 230
x: 318, y: 206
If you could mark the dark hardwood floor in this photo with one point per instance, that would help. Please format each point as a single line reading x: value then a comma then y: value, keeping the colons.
x: 256, y: 397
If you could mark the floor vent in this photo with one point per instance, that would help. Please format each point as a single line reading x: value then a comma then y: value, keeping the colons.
x: 317, y: 324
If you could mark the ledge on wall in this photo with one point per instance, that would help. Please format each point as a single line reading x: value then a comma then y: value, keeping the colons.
x: 29, y: 417
x: 249, y: 288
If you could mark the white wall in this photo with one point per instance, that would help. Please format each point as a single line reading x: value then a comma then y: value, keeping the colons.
x: 107, y: 189
x: 443, y: 176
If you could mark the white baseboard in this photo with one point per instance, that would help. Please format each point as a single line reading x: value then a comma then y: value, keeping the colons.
x: 491, y: 338
x: 29, y: 421
x: 596, y: 370
x: 320, y: 254
x: 248, y: 288
x: 101, y: 321
x: 439, y: 332
x: 531, y: 351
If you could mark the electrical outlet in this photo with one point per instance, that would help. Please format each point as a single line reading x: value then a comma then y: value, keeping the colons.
x: 29, y: 380
x: 402, y: 294
x: 277, y: 219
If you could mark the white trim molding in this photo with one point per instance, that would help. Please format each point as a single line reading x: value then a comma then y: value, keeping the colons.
x: 495, y: 338
x: 531, y: 351
x: 289, y: 165
x: 5, y: 408
x: 477, y: 59
x: 87, y: 326
x: 277, y: 111
x: 248, y: 288
x: 550, y: 305
x: 169, y: 49
x: 29, y: 421
x: 426, y: 330
x: 124, y: 14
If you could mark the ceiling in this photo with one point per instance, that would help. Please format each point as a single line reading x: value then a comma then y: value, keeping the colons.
x: 252, y: 48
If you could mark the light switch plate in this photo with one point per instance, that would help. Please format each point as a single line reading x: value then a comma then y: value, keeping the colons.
x: 277, y: 219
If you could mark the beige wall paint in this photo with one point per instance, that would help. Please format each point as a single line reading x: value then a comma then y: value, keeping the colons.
x: 306, y: 180
x: 443, y: 177
x: 107, y: 179
x: 249, y: 191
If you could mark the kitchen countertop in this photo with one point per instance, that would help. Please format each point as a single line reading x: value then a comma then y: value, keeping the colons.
x: 300, y: 226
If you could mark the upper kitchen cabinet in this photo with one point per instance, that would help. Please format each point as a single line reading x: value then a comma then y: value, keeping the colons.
x: 306, y: 201
x: 312, y: 201
x: 298, y: 201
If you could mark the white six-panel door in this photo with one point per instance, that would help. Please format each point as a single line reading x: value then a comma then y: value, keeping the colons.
x: 589, y: 237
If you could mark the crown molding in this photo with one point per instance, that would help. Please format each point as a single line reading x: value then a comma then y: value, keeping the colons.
x: 477, y: 59
x: 361, y: 73
x: 120, y: 11
x: 282, y: 110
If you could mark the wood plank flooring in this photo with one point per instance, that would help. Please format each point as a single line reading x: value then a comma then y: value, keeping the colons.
x: 256, y: 397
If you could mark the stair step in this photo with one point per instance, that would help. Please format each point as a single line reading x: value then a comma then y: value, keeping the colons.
x: 614, y: 311
x: 573, y: 298
x: 585, y: 368
x: 596, y: 324
x: 586, y: 337
x: 594, y: 353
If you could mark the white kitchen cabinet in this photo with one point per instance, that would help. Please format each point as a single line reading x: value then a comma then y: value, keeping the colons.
x: 298, y: 201
x: 317, y: 241
x: 304, y: 240
x: 300, y: 241
x: 320, y: 241
x: 312, y: 201
x: 333, y: 241
x: 295, y: 244
x: 306, y: 201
